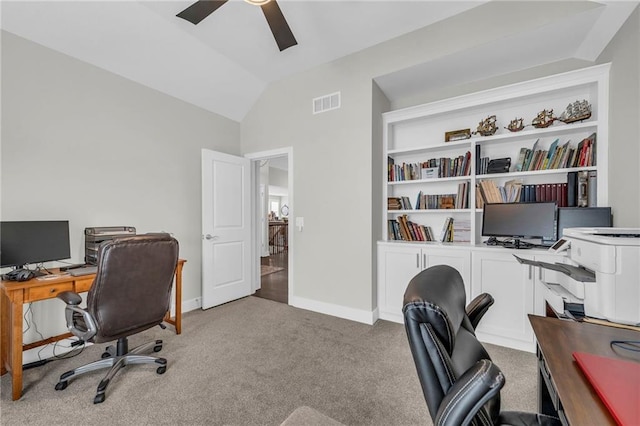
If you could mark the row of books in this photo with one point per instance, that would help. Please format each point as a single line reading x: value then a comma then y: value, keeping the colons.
x: 433, y: 201
x: 432, y: 168
x: 487, y: 191
x: 580, y: 190
x: 455, y: 230
x: 558, y: 156
x: 403, y: 229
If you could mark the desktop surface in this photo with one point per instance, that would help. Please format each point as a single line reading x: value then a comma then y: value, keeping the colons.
x: 557, y: 340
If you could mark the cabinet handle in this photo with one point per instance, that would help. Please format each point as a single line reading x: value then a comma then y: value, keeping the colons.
x: 418, y: 260
x: 529, y: 271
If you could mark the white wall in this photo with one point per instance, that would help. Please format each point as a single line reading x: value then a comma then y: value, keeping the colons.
x: 335, y: 152
x: 85, y: 145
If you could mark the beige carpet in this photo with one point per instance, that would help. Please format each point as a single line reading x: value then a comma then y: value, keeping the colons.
x: 268, y: 269
x: 254, y: 362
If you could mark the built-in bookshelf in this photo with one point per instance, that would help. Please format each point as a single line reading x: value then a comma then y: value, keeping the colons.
x: 428, y: 180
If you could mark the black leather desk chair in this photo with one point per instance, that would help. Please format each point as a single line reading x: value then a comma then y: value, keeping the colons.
x: 131, y: 293
x: 460, y: 383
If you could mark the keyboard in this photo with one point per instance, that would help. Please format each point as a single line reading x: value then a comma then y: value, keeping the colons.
x: 85, y: 270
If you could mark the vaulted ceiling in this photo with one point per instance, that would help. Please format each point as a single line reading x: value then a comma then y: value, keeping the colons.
x: 225, y: 62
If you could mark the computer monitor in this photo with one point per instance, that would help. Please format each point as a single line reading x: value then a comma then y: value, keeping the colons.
x: 26, y: 242
x: 520, y: 220
x: 583, y: 217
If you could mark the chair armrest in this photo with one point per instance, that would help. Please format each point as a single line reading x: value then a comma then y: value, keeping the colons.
x: 478, y: 307
x: 469, y: 393
x: 70, y: 298
x: 79, y: 321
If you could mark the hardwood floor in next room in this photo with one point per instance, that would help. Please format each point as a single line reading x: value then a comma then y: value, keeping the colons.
x: 275, y: 286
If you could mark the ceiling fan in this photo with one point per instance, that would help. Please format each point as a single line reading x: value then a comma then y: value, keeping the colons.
x: 279, y: 27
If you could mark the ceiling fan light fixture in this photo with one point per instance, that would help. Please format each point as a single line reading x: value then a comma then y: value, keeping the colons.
x: 257, y: 2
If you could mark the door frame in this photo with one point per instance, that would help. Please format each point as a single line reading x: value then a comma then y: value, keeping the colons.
x: 255, y: 158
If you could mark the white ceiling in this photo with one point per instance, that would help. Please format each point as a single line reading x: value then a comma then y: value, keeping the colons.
x: 225, y: 62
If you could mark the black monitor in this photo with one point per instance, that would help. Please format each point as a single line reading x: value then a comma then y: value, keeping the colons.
x: 583, y: 217
x: 22, y: 243
x: 520, y: 220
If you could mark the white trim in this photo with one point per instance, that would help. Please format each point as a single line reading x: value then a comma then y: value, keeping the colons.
x: 358, y: 315
x: 264, y: 155
x: 191, y: 305
x: 507, y: 342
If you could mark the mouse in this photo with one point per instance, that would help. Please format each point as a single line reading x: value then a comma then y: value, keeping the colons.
x: 24, y: 275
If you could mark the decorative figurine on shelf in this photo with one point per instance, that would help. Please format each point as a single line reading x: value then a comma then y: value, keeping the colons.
x: 487, y: 127
x: 515, y: 125
x: 543, y: 119
x: 577, y: 111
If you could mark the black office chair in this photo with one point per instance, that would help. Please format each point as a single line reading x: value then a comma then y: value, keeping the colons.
x: 460, y: 383
x: 131, y: 293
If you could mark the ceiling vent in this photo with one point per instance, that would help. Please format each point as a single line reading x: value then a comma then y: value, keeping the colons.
x: 326, y: 103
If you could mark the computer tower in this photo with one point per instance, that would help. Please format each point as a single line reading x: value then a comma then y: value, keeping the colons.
x: 96, y: 235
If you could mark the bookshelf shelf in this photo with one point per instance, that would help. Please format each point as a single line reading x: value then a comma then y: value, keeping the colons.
x: 415, y: 136
x: 429, y: 211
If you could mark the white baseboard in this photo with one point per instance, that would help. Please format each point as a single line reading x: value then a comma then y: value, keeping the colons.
x: 358, y: 315
x: 506, y: 342
x: 45, y: 352
x: 191, y: 304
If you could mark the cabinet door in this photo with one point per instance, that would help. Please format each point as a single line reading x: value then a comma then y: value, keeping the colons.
x: 396, y: 267
x: 458, y: 259
x: 511, y: 285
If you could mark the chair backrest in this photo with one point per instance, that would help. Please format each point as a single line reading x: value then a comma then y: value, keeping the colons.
x: 441, y: 337
x: 132, y: 288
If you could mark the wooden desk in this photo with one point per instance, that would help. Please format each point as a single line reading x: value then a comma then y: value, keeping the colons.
x: 15, y: 294
x: 563, y: 390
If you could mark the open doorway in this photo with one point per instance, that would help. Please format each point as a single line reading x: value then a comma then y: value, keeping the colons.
x: 272, y: 223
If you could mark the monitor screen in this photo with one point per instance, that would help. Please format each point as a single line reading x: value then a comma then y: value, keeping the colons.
x: 22, y: 243
x: 520, y: 220
x: 583, y: 217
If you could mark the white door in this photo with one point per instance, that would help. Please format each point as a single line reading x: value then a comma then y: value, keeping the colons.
x: 226, y: 228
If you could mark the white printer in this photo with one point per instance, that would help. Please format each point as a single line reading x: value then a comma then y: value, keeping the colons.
x: 613, y: 254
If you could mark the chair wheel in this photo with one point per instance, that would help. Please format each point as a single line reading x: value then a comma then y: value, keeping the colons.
x: 157, y: 348
x: 62, y: 385
x: 105, y: 355
x: 162, y: 369
x: 99, y: 398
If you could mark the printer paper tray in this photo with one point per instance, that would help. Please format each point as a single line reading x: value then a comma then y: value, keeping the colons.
x: 574, y: 272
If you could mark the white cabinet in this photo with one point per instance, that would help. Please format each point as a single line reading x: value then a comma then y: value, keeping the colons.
x: 512, y: 287
x: 399, y: 263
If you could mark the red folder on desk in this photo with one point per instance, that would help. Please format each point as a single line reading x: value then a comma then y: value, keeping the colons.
x: 617, y: 382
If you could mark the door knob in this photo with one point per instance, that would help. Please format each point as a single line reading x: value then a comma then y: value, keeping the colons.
x: 210, y: 237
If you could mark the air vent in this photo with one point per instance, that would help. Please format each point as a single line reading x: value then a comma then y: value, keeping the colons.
x: 326, y: 103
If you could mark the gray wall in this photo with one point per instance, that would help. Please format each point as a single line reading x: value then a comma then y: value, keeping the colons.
x: 335, y: 152
x: 85, y: 145
x: 624, y: 123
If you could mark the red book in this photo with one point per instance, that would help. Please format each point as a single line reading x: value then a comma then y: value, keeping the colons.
x: 563, y: 195
x: 554, y: 194
x: 538, y: 193
x: 617, y: 383
x: 547, y: 193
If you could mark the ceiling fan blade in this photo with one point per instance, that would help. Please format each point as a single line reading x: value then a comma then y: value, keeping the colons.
x: 279, y: 27
x: 200, y: 10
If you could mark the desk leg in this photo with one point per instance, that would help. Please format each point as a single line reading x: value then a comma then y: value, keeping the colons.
x: 15, y: 346
x: 5, y: 330
x: 179, y: 299
x: 177, y: 321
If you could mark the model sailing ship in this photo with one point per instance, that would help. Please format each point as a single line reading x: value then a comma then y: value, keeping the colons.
x: 515, y: 125
x: 576, y: 111
x: 545, y: 118
x: 487, y: 127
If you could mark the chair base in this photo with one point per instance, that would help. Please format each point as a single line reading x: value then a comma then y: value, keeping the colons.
x: 115, y: 358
